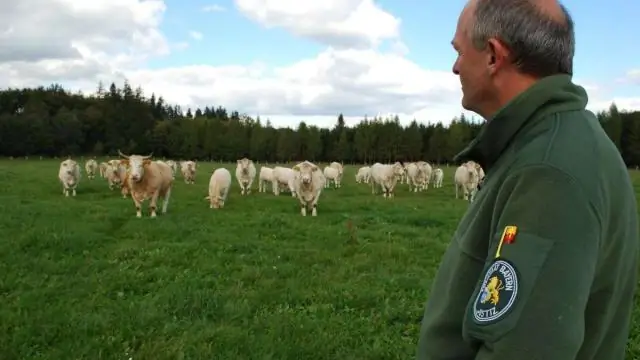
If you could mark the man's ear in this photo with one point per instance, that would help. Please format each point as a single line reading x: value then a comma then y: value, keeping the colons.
x: 498, y: 54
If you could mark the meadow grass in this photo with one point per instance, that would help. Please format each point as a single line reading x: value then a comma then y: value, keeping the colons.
x: 83, y: 278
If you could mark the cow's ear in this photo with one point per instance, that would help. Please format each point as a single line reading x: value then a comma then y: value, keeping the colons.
x: 125, y: 162
x: 146, y: 162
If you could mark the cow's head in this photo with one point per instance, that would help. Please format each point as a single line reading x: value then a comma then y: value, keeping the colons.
x: 69, y: 169
x: 243, y: 164
x: 398, y: 169
x: 305, y: 171
x: 136, y: 164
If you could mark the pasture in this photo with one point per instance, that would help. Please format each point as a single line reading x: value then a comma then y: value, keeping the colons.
x: 83, y: 278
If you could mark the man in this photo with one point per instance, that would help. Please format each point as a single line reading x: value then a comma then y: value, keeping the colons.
x: 543, y: 265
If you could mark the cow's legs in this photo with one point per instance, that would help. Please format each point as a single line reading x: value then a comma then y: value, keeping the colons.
x: 165, y: 201
x: 153, y: 204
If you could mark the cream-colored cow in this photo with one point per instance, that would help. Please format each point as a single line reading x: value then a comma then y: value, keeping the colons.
x: 245, y: 174
x: 148, y: 180
x: 69, y: 176
x: 91, y: 166
x: 188, y: 169
x: 308, y: 184
x: 219, y: 185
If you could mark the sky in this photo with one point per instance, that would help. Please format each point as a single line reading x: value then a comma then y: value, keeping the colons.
x: 289, y: 61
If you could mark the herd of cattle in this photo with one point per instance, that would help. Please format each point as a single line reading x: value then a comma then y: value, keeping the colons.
x: 144, y: 178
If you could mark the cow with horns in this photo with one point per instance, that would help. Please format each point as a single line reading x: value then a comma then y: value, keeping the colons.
x: 148, y: 180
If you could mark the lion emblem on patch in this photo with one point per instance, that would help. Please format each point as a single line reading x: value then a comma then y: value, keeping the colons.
x: 498, y: 292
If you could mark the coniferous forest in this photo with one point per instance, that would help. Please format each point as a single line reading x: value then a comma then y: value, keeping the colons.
x: 54, y: 122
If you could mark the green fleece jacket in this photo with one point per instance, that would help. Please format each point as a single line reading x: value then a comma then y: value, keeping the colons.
x: 543, y: 265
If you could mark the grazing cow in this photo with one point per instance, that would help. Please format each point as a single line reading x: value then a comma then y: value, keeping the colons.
x: 284, y: 177
x: 103, y: 169
x: 332, y: 175
x: 91, y: 166
x: 219, y: 185
x: 466, y: 178
x: 188, y: 169
x: 148, y: 179
x: 245, y: 174
x: 438, y: 175
x: 174, y: 167
x: 69, y: 175
x: 363, y: 175
x: 386, y: 176
x: 308, y: 184
x: 266, y: 176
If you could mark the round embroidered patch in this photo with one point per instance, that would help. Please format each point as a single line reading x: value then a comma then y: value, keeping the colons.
x: 498, y: 292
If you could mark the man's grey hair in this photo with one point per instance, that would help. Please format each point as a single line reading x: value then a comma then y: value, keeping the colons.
x: 540, y: 44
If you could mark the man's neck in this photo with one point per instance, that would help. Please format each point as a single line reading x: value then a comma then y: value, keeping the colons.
x: 507, y: 88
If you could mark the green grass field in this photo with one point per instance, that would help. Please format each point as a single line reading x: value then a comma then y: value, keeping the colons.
x: 83, y: 278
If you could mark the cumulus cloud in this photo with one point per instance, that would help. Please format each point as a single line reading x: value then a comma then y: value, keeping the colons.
x: 352, y: 76
x: 337, y: 23
x: 75, y: 41
x: 353, y: 82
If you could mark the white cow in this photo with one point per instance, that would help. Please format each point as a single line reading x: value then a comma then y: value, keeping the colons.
x: 188, y: 169
x: 332, y: 174
x: 338, y: 166
x: 219, y: 185
x: 426, y: 169
x: 266, y: 176
x: 245, y: 174
x: 478, y: 169
x: 437, y: 176
x: 112, y: 173
x: 363, y: 175
x: 466, y: 178
x: 415, y: 177
x: 404, y: 178
x: 308, y: 185
x: 174, y: 167
x: 386, y: 176
x: 91, y: 166
x: 283, y: 176
x: 69, y: 175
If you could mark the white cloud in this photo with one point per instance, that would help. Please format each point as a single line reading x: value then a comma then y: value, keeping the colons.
x: 196, y: 35
x: 337, y: 23
x: 358, y: 80
x: 213, y: 8
x: 83, y: 47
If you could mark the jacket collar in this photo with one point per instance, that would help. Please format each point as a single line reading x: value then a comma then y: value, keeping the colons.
x: 548, y: 95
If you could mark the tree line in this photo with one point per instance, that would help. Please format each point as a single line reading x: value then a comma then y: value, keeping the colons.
x: 55, y: 122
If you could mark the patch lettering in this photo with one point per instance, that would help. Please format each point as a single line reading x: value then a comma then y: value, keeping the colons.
x: 497, y: 294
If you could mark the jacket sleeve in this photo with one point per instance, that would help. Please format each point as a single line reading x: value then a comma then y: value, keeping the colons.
x: 531, y: 299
